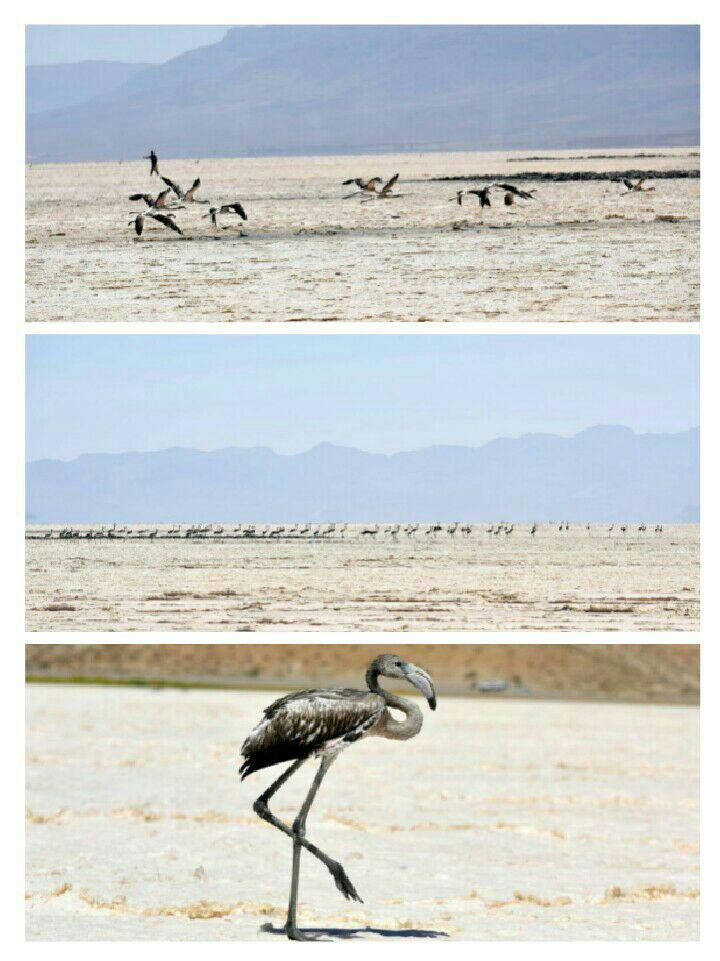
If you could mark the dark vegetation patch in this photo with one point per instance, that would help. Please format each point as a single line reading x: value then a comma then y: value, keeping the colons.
x: 579, y: 175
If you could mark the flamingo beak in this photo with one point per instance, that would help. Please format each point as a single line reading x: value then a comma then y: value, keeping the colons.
x: 422, y: 681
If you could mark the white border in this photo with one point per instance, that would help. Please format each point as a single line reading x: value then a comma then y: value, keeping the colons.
x: 12, y: 386
x: 370, y: 12
x: 339, y: 328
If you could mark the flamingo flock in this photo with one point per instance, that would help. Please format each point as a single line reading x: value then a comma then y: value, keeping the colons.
x: 162, y: 208
x: 327, y: 531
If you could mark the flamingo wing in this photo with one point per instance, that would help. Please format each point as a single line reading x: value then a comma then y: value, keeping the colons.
x: 390, y: 184
x: 166, y: 222
x: 174, y: 187
x: 190, y: 195
x: 298, y: 725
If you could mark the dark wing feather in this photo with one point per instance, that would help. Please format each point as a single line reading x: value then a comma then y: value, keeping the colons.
x: 190, y: 195
x: 166, y: 222
x: 482, y: 196
x: 390, y: 184
x: 173, y: 185
x: 297, y: 725
x: 238, y: 208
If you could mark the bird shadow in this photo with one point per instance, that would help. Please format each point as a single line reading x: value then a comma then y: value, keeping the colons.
x: 346, y: 934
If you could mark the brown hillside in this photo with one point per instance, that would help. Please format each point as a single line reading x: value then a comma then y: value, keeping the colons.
x: 639, y: 672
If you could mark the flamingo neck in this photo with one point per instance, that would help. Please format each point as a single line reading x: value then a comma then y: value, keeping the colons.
x: 392, y: 728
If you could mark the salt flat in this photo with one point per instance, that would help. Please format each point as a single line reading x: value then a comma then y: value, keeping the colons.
x: 501, y: 820
x: 575, y: 580
x: 581, y: 252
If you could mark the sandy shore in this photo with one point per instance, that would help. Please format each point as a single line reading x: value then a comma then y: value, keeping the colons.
x: 571, y: 581
x: 546, y: 821
x: 582, y: 251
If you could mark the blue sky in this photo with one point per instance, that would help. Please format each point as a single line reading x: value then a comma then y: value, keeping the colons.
x: 132, y: 44
x: 384, y: 393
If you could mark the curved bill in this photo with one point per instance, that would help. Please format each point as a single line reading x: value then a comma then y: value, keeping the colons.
x: 421, y: 680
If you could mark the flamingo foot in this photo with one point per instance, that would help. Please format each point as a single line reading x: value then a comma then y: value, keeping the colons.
x: 296, y: 934
x: 344, y: 884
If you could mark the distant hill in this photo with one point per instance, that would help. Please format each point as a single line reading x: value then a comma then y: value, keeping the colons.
x: 600, y: 474
x: 614, y: 672
x: 331, y: 89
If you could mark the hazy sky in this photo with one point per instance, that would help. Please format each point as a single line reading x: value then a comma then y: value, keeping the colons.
x: 133, y: 44
x: 382, y: 393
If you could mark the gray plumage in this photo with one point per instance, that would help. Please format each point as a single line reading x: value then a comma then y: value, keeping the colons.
x: 187, y: 195
x: 322, y: 722
x: 158, y: 202
x: 638, y: 187
x: 150, y: 201
x: 482, y: 194
x: 235, y: 208
x: 301, y: 725
x: 370, y: 184
x: 387, y: 188
x: 525, y: 194
x: 165, y: 219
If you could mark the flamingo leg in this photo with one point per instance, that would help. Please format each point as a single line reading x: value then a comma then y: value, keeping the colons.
x: 291, y: 928
x: 342, y: 881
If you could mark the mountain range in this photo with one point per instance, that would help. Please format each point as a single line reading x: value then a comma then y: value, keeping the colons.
x: 601, y: 474
x: 362, y: 89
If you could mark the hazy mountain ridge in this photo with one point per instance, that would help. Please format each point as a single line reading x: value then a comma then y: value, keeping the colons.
x: 603, y: 473
x: 305, y: 89
x: 57, y: 86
